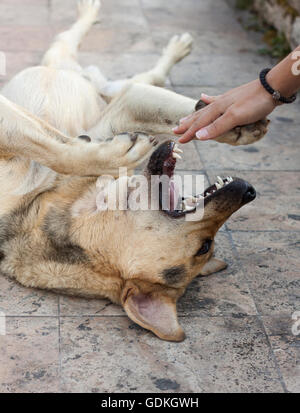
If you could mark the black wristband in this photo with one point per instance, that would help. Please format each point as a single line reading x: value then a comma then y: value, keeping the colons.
x: 275, y: 93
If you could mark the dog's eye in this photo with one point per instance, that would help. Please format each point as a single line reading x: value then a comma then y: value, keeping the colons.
x: 205, y: 248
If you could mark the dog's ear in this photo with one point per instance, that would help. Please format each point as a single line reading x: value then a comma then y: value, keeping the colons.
x: 213, y: 265
x: 155, y: 312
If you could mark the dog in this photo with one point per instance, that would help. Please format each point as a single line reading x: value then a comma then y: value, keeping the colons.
x: 63, y: 129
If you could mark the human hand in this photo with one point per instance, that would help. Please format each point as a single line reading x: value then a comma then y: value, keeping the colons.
x: 243, y: 105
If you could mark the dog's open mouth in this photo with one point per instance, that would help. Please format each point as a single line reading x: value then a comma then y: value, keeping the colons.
x: 163, y: 162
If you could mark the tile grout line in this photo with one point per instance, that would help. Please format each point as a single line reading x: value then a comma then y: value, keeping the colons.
x: 281, y: 379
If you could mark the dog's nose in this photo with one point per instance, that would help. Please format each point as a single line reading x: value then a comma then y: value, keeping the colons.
x: 249, y: 194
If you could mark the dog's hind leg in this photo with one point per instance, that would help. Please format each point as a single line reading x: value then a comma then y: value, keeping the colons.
x: 63, y: 52
x: 177, y: 48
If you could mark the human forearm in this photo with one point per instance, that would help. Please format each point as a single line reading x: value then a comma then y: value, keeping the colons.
x: 285, y: 76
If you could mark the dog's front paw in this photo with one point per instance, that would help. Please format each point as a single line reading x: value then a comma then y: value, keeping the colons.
x: 88, y: 8
x: 179, y: 46
x: 244, y: 135
x: 85, y: 157
x: 130, y: 149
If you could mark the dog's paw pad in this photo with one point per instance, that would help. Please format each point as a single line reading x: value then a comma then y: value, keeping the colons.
x: 85, y: 138
x: 245, y: 135
x: 200, y: 105
x: 252, y: 132
x: 131, y: 148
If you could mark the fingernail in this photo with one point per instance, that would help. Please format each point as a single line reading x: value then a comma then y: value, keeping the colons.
x: 202, y: 134
x: 203, y: 95
x: 175, y: 129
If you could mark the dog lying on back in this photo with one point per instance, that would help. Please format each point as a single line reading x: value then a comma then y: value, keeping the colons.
x: 63, y: 128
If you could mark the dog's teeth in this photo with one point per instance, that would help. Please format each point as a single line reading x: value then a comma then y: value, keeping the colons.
x: 189, y: 203
x: 220, y: 180
x: 176, y: 149
x: 218, y: 186
x: 229, y: 179
x: 189, y: 208
x: 186, y: 206
x: 176, y: 155
x: 191, y: 200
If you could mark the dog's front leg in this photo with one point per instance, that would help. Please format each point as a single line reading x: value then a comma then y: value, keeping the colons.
x: 157, y: 111
x: 143, y: 107
x: 24, y: 135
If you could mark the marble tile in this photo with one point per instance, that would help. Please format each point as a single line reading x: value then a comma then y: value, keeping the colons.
x: 189, y: 15
x: 265, y: 155
x: 122, y: 65
x: 217, y: 70
x: 76, y: 306
x: 284, y: 336
x: 24, y: 12
x: 126, y: 13
x: 31, y: 38
x: 220, y: 354
x: 117, y: 41
x: 209, y: 41
x: 29, y: 356
x: 16, y: 300
x: 270, y: 261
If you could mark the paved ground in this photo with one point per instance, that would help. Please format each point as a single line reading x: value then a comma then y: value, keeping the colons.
x: 238, y: 322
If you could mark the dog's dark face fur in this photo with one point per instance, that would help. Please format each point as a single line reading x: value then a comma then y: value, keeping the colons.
x: 160, y: 251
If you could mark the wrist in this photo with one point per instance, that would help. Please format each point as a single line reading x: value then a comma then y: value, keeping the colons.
x: 265, y: 95
x: 275, y: 81
x: 276, y: 94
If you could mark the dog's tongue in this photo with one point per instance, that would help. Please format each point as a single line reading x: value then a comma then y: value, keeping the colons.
x: 169, y: 166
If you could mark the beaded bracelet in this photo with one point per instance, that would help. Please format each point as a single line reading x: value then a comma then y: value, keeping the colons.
x: 275, y: 93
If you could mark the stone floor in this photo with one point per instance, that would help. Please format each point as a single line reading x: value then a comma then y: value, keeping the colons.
x: 238, y: 322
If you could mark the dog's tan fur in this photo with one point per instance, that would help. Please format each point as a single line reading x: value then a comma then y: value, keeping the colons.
x: 51, y: 234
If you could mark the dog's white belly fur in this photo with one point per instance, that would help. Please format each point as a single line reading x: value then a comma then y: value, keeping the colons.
x: 63, y: 98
